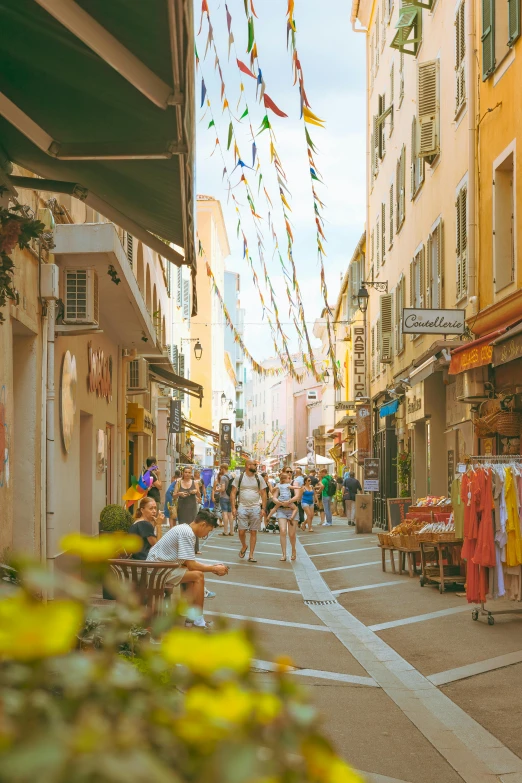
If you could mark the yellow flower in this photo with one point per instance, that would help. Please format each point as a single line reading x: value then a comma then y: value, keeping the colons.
x: 96, y: 550
x: 324, y: 766
x: 227, y: 704
x: 267, y: 707
x: 205, y: 654
x: 29, y: 629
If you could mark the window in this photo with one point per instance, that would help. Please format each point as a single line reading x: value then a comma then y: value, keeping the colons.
x: 383, y: 233
x: 384, y: 4
x: 400, y: 190
x: 392, y: 95
x: 504, y: 223
x: 378, y: 347
x: 372, y: 248
x: 417, y: 163
x: 378, y: 243
x: 391, y: 215
x: 401, y: 77
x: 179, y: 298
x: 435, y: 268
x: 500, y: 30
x: 417, y: 278
x: 409, y: 29
x: 372, y: 60
x: 428, y: 109
x: 379, y: 127
x: 400, y: 303
x: 373, y: 353
x: 460, y: 51
x: 186, y: 300
x: 461, y: 206
x: 377, y: 41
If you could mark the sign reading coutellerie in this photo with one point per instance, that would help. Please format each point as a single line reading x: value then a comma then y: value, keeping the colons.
x: 420, y: 321
x: 100, y: 373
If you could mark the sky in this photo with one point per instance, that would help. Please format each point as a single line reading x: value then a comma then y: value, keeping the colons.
x: 333, y: 62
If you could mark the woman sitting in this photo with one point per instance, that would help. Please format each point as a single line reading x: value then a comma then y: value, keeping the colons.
x: 145, y: 521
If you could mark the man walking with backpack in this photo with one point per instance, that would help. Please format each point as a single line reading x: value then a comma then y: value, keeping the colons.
x: 249, y: 491
x: 329, y: 490
x: 225, y: 490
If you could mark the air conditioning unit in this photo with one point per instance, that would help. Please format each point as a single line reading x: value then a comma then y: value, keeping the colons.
x: 311, y: 395
x: 138, y: 375
x: 81, y: 297
x: 471, y: 385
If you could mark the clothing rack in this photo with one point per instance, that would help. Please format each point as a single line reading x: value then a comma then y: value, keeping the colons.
x: 493, y: 459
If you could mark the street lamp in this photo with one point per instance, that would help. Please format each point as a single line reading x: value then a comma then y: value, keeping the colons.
x: 326, y: 376
x: 230, y: 405
x: 198, y: 348
x: 223, y: 398
x: 362, y: 298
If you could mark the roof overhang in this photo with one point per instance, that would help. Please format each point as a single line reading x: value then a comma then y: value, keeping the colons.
x: 201, y: 430
x: 102, y: 99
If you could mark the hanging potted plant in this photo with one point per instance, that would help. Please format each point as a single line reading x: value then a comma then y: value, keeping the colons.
x: 16, y: 230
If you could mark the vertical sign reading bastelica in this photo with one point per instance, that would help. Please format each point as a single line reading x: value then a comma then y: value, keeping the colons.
x: 358, y: 366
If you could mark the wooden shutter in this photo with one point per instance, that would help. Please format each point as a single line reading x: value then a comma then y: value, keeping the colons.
x: 378, y: 241
x: 440, y: 263
x: 412, y: 283
x: 400, y: 307
x: 181, y: 364
x: 175, y: 358
x: 386, y: 328
x: 513, y: 21
x: 488, y: 38
x: 391, y: 214
x: 186, y: 300
x: 421, y: 261
x: 372, y: 247
x: 397, y: 195
x: 383, y: 233
x: 402, y: 194
x: 462, y: 241
x: 179, y: 300
x: 460, y: 60
x: 428, y: 108
x: 430, y: 245
x: 413, y: 182
x: 377, y: 41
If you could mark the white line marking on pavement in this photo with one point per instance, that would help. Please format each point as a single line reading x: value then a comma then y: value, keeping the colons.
x: 330, y: 541
x: 355, y: 565
x: 371, y: 777
x: 367, y: 587
x: 475, y: 754
x: 250, y: 565
x: 472, y: 669
x: 254, y: 587
x: 419, y: 618
x: 234, y: 549
x: 346, y: 551
x: 265, y: 620
x: 352, y: 679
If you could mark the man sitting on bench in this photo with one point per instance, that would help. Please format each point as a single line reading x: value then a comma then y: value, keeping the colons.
x: 178, y: 546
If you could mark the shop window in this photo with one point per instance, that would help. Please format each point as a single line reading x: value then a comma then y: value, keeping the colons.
x: 504, y: 223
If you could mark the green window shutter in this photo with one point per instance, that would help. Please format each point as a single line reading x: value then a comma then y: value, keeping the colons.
x: 391, y: 214
x: 409, y: 29
x: 513, y: 21
x: 488, y: 38
x: 386, y: 328
x: 413, y: 179
x: 460, y: 51
x: 428, y: 108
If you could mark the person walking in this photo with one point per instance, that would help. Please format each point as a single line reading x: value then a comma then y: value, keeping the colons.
x: 285, y: 513
x: 328, y: 483
x: 248, y: 500
x: 297, y: 484
x: 154, y: 489
x: 178, y: 546
x: 225, y: 488
x: 351, y: 486
x: 199, y: 485
x: 188, y: 497
x: 308, y: 504
x: 171, y: 506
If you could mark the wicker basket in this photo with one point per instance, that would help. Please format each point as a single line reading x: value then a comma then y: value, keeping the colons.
x: 383, y: 538
x: 508, y: 423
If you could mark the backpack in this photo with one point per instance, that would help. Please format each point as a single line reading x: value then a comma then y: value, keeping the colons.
x: 230, y: 483
x: 239, y: 485
x: 331, y: 487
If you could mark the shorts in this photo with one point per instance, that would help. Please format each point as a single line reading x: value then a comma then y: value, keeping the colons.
x: 307, y: 505
x: 176, y: 575
x: 225, y: 505
x: 284, y: 513
x: 249, y: 518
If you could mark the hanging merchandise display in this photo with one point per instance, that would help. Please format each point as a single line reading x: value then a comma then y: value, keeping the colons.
x: 491, y: 496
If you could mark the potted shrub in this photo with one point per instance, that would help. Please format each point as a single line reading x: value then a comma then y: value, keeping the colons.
x: 113, y: 518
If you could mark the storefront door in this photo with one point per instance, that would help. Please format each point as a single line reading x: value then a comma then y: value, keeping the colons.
x: 385, y: 447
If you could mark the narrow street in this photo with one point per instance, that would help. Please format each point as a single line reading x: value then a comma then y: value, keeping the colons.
x: 410, y: 689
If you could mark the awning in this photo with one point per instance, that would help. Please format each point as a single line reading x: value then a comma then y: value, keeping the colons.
x: 201, y: 430
x: 168, y: 378
x: 389, y: 409
x: 508, y: 347
x: 474, y: 354
x: 98, y: 97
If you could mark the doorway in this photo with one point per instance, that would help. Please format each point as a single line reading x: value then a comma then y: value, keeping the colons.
x: 86, y: 473
x: 385, y: 448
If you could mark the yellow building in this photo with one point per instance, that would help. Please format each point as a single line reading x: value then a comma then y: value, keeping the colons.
x: 420, y: 221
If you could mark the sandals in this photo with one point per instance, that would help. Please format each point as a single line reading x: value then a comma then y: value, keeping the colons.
x: 283, y: 559
x: 252, y: 560
x: 243, y: 552
x: 294, y: 557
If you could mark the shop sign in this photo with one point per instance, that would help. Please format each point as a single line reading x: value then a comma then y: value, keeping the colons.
x: 474, y: 356
x: 364, y: 432
x: 415, y: 403
x: 100, y: 373
x: 68, y: 384
x: 421, y: 321
x: 139, y: 420
x: 507, y: 351
x: 225, y: 440
x: 345, y: 406
x: 175, y: 416
x: 358, y: 368
x: 451, y: 469
x: 371, y: 474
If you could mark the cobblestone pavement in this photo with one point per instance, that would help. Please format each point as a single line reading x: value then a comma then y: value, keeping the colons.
x: 410, y: 689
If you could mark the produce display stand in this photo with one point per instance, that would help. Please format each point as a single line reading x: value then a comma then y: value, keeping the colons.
x: 408, y: 553
x: 441, y: 574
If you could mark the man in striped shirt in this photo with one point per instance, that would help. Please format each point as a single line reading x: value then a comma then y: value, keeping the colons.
x: 178, y: 546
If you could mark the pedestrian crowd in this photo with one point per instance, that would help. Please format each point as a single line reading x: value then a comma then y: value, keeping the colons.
x: 249, y: 502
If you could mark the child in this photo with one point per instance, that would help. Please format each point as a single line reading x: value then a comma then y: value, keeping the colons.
x: 282, y: 498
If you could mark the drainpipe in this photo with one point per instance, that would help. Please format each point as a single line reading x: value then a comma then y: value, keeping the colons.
x: 49, y: 452
x: 473, y: 297
x: 43, y: 444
